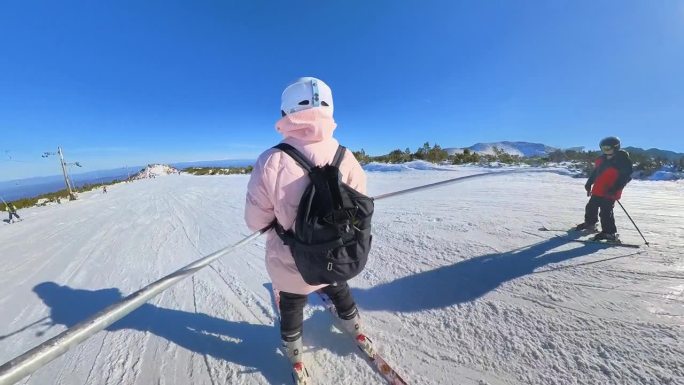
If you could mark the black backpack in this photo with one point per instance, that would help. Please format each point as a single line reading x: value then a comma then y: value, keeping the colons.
x: 332, y: 236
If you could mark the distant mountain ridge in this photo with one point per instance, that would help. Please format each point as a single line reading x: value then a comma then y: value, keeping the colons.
x: 522, y: 149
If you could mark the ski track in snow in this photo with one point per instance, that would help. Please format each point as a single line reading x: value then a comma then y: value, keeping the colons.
x: 460, y: 287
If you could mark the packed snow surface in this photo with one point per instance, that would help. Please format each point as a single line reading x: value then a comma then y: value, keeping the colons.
x: 460, y: 288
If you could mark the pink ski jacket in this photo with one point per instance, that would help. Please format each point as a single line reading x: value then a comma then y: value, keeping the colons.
x: 277, y: 184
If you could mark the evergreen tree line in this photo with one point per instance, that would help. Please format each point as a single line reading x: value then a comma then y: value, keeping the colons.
x: 642, y: 162
x: 584, y: 160
x: 436, y: 154
x: 218, y: 170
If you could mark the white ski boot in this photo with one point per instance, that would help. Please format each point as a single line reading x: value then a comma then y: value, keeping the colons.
x: 353, y: 327
x: 293, y: 350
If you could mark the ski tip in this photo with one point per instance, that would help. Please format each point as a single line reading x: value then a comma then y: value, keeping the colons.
x: 570, y: 230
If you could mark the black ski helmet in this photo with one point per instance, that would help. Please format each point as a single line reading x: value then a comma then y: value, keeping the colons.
x: 611, y: 141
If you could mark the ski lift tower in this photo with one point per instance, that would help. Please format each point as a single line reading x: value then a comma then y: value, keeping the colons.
x: 64, y: 165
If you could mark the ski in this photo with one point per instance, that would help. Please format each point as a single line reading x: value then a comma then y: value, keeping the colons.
x: 366, y: 346
x: 571, y: 230
x: 607, y: 243
x: 544, y: 228
x: 599, y: 242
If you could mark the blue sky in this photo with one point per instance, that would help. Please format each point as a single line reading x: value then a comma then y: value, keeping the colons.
x: 132, y: 82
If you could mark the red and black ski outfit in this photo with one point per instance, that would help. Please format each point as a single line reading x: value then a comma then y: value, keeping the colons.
x: 611, y: 174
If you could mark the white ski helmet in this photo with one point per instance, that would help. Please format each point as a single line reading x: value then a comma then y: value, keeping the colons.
x: 306, y: 93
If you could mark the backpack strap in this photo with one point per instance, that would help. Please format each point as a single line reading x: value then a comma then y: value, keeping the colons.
x: 296, y: 155
x: 339, y: 156
x: 287, y: 236
x: 306, y: 163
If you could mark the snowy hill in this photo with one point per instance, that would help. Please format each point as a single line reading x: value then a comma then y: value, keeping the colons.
x: 155, y: 170
x: 406, y: 166
x: 460, y: 287
x: 522, y: 149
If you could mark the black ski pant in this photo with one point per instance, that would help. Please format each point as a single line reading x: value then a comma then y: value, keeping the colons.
x: 605, y: 207
x: 13, y: 213
x: 292, y: 309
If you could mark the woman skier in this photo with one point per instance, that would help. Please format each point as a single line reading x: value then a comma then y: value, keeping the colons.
x: 275, y: 188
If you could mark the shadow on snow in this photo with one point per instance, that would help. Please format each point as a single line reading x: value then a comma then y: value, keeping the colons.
x: 467, y: 280
x: 255, y: 346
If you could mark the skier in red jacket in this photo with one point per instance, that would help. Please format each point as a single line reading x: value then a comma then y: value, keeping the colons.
x: 612, y: 172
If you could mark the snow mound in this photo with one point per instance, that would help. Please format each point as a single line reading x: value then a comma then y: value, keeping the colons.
x: 522, y: 149
x: 408, y: 166
x: 155, y: 170
x: 666, y: 175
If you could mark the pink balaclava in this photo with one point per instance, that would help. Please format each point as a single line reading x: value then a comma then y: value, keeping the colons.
x: 307, y: 109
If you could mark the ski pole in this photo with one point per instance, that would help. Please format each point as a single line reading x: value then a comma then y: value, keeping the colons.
x: 635, y: 225
x: 24, y: 328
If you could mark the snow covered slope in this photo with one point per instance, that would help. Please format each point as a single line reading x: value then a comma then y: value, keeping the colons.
x: 460, y: 288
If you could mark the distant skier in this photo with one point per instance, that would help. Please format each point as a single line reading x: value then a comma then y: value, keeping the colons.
x: 104, y: 189
x: 612, y: 171
x: 12, y: 210
x: 276, y: 186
